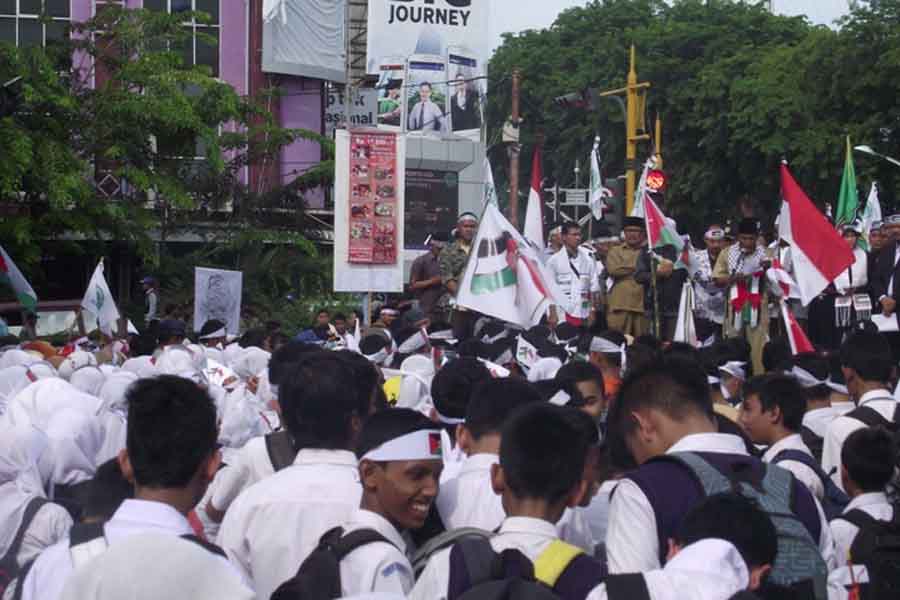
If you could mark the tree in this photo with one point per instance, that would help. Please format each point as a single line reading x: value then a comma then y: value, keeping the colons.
x: 107, y: 161
x: 738, y: 89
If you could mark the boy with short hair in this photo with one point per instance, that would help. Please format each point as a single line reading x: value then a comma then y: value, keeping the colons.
x: 772, y: 415
x: 542, y: 457
x: 400, y: 464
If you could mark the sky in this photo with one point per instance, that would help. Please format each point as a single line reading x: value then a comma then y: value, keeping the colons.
x: 516, y: 15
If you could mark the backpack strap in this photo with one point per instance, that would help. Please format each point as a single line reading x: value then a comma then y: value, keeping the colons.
x: 356, y: 539
x: 570, y: 572
x: 280, y: 448
x: 803, y: 458
x: 869, y: 416
x: 627, y: 586
x: 712, y: 481
x: 862, y: 519
x: 86, y: 540
x: 31, y: 509
x: 550, y: 564
x: 472, y: 561
x: 208, y: 546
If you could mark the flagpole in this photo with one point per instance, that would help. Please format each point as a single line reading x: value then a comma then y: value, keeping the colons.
x: 652, y: 256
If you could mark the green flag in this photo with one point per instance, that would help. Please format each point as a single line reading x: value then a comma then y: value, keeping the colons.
x: 848, y: 198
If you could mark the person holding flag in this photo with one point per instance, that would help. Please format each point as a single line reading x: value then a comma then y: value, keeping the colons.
x: 740, y: 271
x: 669, y: 282
x: 625, y: 306
x: 575, y: 272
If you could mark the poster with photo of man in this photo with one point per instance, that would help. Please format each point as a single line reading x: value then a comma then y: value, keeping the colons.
x: 466, y: 93
x: 426, y: 94
x: 390, y: 94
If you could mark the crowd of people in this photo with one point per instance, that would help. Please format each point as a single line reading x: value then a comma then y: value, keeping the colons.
x: 443, y: 454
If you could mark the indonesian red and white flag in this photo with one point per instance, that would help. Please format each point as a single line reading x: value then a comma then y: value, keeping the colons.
x: 534, y: 213
x: 781, y: 283
x: 800, y: 344
x: 818, y: 252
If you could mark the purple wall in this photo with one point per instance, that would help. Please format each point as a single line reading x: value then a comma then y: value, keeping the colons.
x: 301, y: 108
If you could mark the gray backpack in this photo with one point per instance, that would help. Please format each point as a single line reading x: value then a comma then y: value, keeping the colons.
x: 798, y: 560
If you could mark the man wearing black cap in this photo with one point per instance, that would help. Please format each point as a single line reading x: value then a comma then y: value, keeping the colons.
x: 740, y: 271
x: 425, y: 280
x: 625, y: 307
x: 453, y: 261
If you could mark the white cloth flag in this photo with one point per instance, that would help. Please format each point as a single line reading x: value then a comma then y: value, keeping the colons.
x: 871, y: 214
x: 490, y: 191
x: 98, y: 300
x: 598, y: 192
x: 504, y: 277
x: 637, y: 210
x: 685, y: 328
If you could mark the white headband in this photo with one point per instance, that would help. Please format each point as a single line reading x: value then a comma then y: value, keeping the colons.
x: 712, y: 380
x: 218, y: 333
x: 604, y: 346
x: 415, y: 342
x: 424, y: 444
x: 560, y: 398
x: 389, y: 312
x: 806, y: 379
x: 715, y: 234
x: 464, y: 218
x: 379, y: 357
x: 735, y: 368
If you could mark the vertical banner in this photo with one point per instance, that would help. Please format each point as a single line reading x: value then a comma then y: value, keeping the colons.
x: 368, y: 210
x: 373, y: 198
x: 217, y: 295
x: 390, y: 94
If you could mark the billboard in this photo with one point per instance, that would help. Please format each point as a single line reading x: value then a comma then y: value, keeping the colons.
x: 426, y: 94
x: 362, y: 109
x: 305, y: 38
x: 408, y: 27
x: 432, y: 204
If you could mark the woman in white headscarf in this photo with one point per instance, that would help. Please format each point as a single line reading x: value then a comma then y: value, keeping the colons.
x: 415, y: 387
x: 12, y: 381
x: 20, y: 484
x: 142, y: 366
x: 113, y: 413
x: 35, y: 404
x: 88, y: 379
x: 14, y: 357
x: 74, y: 441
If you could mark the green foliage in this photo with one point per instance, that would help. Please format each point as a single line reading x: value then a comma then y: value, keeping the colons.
x: 737, y: 87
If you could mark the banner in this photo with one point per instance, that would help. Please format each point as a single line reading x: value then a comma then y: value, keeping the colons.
x: 217, y: 295
x: 98, y: 300
x: 304, y: 38
x: 425, y: 101
x: 373, y: 198
x: 362, y: 110
x: 407, y: 27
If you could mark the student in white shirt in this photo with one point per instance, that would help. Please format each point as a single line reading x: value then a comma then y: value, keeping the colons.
x: 20, y: 485
x: 812, y: 373
x: 468, y: 500
x: 664, y: 410
x: 867, y: 466
x: 539, y: 475
x: 273, y: 525
x: 170, y: 457
x: 575, y: 272
x: 772, y: 415
x: 400, y: 464
x: 867, y: 365
x: 725, y: 545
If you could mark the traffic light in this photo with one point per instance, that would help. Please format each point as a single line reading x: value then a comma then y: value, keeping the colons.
x: 584, y: 100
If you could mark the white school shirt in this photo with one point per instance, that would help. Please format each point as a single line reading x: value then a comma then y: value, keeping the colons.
x: 632, y: 544
x: 50, y: 524
x: 468, y: 500
x: 48, y: 575
x: 528, y: 535
x: 875, y: 504
x: 597, y: 512
x: 376, y: 567
x: 818, y: 419
x: 577, y: 288
x: 802, y: 472
x: 839, y: 429
x: 273, y: 525
x: 245, y: 467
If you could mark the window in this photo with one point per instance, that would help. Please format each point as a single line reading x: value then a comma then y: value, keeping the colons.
x: 196, y: 51
x: 21, y: 25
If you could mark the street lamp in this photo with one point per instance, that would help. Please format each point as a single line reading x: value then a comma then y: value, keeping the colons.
x: 870, y: 151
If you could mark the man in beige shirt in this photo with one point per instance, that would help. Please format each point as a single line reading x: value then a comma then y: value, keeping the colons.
x: 625, y: 305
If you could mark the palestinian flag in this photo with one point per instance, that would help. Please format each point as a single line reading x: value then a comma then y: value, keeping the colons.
x: 800, y: 344
x: 494, y: 269
x: 818, y: 251
x: 12, y: 276
x: 661, y: 232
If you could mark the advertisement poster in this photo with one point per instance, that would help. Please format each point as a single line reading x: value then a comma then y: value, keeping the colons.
x: 465, y: 102
x: 432, y: 199
x: 217, y: 295
x: 390, y: 94
x: 426, y: 94
x: 373, y: 198
x: 362, y: 109
x: 407, y: 27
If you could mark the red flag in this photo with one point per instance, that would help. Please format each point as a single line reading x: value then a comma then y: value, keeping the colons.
x: 534, y: 213
x: 800, y: 344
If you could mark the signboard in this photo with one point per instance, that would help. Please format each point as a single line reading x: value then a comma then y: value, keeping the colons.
x: 432, y: 198
x: 217, y: 295
x: 390, y: 94
x: 465, y: 101
x: 426, y: 94
x: 362, y: 110
x: 407, y: 27
x: 305, y: 38
x: 370, y: 176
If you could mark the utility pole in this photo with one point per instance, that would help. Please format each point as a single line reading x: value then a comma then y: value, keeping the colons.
x: 514, y: 153
x: 635, y: 95
x: 657, y: 143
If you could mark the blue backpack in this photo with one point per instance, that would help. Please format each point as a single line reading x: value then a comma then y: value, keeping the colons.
x: 835, y: 500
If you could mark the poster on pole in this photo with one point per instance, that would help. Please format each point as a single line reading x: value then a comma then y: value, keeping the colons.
x: 426, y: 94
x: 407, y: 27
x: 369, y: 206
x: 466, y: 97
x: 217, y: 295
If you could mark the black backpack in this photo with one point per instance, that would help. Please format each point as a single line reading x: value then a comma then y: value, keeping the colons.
x: 319, y: 577
x: 9, y: 564
x: 877, y: 546
x: 815, y: 443
x: 835, y: 500
x: 281, y: 450
x: 872, y: 418
x: 633, y: 586
x: 562, y: 571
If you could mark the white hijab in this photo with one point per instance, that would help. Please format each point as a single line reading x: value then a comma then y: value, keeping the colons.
x: 142, y: 366
x: 113, y: 414
x: 20, y: 480
x: 175, y: 360
x: 251, y: 362
x: 42, y: 399
x: 88, y: 379
x: 149, y: 566
x: 415, y: 387
x: 544, y: 368
x: 12, y: 381
x: 14, y: 357
x: 75, y: 439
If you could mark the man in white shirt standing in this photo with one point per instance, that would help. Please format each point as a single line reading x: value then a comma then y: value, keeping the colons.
x: 772, y: 415
x: 170, y: 456
x: 575, y: 271
x: 272, y: 526
x: 866, y: 364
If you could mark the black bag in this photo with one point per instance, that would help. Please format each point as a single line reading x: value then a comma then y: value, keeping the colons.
x: 319, y: 577
x: 280, y: 447
x: 835, y: 500
x: 9, y: 564
x: 814, y: 442
x: 877, y: 546
x: 873, y: 418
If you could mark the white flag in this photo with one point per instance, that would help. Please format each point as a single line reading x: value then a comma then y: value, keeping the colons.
x: 685, y: 329
x: 871, y: 214
x: 504, y: 277
x: 98, y: 300
x: 598, y: 192
x: 637, y: 210
x: 490, y: 192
